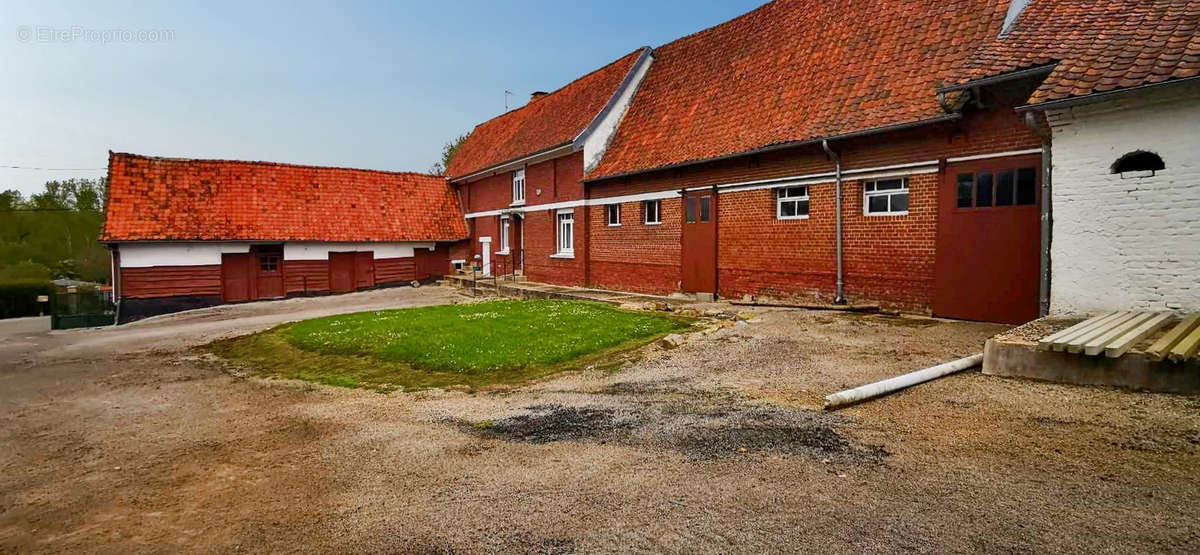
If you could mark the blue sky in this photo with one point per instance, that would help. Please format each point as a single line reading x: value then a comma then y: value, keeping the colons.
x: 371, y: 85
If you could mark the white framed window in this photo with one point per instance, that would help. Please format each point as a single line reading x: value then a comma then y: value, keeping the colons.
x: 791, y: 203
x: 652, y: 209
x: 505, y: 225
x: 519, y: 186
x: 613, y: 213
x: 566, y: 232
x: 886, y: 197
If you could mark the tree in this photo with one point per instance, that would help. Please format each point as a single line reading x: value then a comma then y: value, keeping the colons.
x: 11, y: 200
x: 448, y: 151
x: 54, y: 232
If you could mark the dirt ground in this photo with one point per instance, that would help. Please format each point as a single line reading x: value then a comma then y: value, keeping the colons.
x: 131, y: 440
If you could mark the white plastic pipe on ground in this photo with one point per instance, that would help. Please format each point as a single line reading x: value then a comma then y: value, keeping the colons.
x: 891, y: 385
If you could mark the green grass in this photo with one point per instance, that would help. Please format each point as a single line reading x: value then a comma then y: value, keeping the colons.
x: 498, y: 342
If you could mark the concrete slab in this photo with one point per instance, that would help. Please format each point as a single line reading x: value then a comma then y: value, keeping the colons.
x: 1133, y: 370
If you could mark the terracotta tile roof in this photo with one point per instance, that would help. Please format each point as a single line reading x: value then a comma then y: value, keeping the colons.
x: 796, y: 70
x: 1097, y: 45
x: 182, y: 199
x: 550, y: 121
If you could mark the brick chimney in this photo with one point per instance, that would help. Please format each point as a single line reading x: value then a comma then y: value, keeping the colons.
x: 536, y: 95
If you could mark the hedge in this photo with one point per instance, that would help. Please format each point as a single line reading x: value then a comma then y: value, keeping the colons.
x: 19, y: 298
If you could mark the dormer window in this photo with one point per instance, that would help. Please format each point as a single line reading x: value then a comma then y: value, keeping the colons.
x: 519, y: 186
x: 1138, y: 163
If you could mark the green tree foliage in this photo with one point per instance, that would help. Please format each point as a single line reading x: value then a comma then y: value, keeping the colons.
x: 53, y: 234
x: 448, y: 151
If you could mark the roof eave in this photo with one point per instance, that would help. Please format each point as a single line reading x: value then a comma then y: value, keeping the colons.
x: 782, y: 146
x: 1002, y: 78
x: 1100, y: 96
x: 517, y: 163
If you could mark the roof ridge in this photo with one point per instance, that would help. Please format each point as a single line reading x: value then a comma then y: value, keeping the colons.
x: 572, y: 82
x: 267, y: 163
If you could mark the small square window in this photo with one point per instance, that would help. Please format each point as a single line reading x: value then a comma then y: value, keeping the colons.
x: 791, y: 203
x: 886, y: 197
x: 269, y: 263
x: 653, y: 211
x: 613, y: 211
x: 1026, y: 186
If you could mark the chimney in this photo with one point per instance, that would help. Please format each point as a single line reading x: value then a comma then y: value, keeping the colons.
x: 536, y: 95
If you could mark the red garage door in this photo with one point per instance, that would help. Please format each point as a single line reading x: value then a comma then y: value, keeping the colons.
x: 236, y: 270
x: 341, y: 272
x: 364, y: 269
x: 989, y: 240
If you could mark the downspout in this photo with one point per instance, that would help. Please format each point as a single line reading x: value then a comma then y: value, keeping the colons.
x: 840, y: 296
x: 1046, y: 213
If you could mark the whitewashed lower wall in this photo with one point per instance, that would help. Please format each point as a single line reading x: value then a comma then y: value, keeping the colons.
x: 1130, y: 243
x: 145, y: 255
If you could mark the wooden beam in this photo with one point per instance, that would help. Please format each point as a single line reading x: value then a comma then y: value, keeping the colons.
x: 1076, y: 344
x: 1096, y: 345
x: 1187, y: 347
x: 1045, y: 343
x: 1160, y: 348
x: 1060, y: 344
x: 1122, y: 344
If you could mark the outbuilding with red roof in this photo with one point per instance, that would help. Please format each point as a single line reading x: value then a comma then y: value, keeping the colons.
x: 187, y: 233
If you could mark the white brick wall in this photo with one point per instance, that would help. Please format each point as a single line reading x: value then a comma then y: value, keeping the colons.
x: 1129, y: 243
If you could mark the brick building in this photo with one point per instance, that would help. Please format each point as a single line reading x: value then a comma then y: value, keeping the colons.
x: 191, y: 233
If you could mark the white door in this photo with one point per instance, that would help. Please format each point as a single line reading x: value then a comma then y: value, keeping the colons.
x: 486, y: 247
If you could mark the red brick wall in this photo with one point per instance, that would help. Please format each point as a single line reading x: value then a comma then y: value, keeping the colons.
x: 635, y: 256
x: 541, y: 241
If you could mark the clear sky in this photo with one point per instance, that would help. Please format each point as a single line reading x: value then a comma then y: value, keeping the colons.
x: 371, y: 85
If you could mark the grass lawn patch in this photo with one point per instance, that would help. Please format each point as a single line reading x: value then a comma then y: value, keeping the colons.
x: 478, y: 344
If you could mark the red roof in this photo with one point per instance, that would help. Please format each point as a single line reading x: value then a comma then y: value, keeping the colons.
x: 550, y: 121
x: 1097, y: 45
x: 181, y: 199
x: 796, y: 70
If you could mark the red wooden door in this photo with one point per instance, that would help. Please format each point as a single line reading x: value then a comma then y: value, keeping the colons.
x: 699, y: 242
x: 341, y: 272
x: 235, y: 277
x: 364, y: 270
x: 268, y: 268
x: 989, y: 240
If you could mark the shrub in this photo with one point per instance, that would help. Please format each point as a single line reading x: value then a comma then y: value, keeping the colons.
x: 19, y: 298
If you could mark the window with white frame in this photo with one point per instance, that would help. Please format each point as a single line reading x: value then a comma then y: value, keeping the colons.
x: 504, y: 227
x: 519, y: 186
x: 653, y: 211
x: 566, y: 232
x: 613, y: 213
x: 791, y: 203
x: 886, y: 197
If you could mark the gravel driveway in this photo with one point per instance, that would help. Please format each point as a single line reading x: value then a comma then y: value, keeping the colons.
x: 130, y: 439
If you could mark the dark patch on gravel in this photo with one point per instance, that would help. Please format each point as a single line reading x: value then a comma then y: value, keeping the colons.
x: 549, y: 423
x: 700, y: 431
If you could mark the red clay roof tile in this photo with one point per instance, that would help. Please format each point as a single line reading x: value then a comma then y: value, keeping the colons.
x: 153, y: 198
x: 1099, y: 45
x: 796, y: 70
x: 550, y: 121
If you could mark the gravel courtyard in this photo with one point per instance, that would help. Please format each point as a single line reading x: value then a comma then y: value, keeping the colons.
x: 133, y: 439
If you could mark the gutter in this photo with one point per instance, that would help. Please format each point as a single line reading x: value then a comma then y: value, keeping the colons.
x: 791, y: 144
x: 1047, y: 214
x: 840, y: 295
x: 1003, y: 77
x: 1100, y: 96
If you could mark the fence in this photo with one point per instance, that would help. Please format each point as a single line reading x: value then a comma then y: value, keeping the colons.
x: 81, y: 307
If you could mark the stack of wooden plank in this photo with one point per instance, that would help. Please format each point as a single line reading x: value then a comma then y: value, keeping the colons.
x: 1115, y: 333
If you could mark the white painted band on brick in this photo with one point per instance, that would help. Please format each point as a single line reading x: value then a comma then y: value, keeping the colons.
x: 656, y: 195
x: 993, y: 155
x: 820, y: 177
x: 775, y: 184
x: 194, y: 253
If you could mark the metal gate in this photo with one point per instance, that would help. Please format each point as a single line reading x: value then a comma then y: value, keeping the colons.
x: 81, y: 307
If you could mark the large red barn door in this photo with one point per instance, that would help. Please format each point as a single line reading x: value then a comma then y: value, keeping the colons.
x: 364, y: 270
x: 341, y: 272
x: 235, y: 277
x: 699, y: 239
x: 989, y: 240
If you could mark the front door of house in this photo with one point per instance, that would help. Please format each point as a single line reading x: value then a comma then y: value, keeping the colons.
x: 989, y: 240
x: 699, y: 257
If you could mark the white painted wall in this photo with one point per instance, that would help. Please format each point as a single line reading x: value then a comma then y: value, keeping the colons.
x: 1129, y: 243
x: 596, y: 143
x: 145, y: 255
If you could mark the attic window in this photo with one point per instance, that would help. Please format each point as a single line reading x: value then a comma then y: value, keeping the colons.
x: 1138, y: 163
